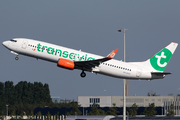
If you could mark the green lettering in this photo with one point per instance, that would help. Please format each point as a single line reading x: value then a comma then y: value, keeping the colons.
x: 81, y: 58
x: 39, y: 45
x: 71, y: 55
x: 50, y: 50
x: 60, y: 52
x: 43, y: 48
x: 65, y: 54
x: 85, y: 57
x: 90, y: 58
x: 75, y: 56
x: 78, y: 57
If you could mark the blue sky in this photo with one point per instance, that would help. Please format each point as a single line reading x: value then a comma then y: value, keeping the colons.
x: 92, y: 27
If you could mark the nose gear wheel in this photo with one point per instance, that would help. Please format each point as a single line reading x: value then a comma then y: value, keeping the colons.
x: 16, y: 58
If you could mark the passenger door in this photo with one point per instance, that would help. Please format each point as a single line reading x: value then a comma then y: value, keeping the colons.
x: 24, y: 44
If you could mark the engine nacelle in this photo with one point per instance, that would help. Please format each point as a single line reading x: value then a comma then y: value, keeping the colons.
x: 64, y: 63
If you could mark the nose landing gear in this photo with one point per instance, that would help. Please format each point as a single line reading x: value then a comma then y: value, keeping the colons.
x: 83, y: 74
x: 16, y: 58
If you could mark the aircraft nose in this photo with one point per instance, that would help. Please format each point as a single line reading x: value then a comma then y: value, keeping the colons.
x: 5, y: 43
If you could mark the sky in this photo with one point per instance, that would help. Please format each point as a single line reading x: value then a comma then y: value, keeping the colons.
x: 92, y: 27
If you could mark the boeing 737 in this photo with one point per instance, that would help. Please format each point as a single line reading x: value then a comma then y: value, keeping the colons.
x: 153, y: 68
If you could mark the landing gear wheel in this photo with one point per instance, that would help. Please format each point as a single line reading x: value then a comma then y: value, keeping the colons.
x: 16, y: 58
x: 83, y: 74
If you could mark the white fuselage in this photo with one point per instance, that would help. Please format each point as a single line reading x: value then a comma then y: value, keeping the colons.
x: 52, y: 53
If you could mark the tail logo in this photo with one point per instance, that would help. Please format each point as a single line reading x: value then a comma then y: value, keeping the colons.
x: 161, y: 59
x: 112, y: 55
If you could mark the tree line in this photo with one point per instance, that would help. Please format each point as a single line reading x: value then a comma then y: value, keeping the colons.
x: 24, y: 97
x: 131, y: 112
x: 95, y: 110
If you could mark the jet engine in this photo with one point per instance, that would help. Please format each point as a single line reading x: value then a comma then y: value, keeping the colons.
x: 64, y: 63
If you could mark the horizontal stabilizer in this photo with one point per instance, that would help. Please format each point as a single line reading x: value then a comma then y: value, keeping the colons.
x: 161, y: 73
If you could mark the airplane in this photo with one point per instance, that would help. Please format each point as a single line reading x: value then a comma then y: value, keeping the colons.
x: 152, y: 68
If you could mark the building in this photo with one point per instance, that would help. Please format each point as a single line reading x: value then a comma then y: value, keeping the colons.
x: 55, y: 99
x: 109, y: 101
x: 176, y: 105
x: 141, y: 101
x: 89, y: 117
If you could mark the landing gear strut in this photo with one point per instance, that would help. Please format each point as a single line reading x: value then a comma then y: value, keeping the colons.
x: 83, y: 74
x: 16, y: 58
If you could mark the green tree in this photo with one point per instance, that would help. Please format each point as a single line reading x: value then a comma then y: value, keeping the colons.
x: 38, y: 92
x: 39, y: 115
x: 31, y: 115
x: 12, y: 114
x: 2, y: 115
x: 41, y: 93
x: 47, y: 97
x: 171, y: 112
x: 57, y: 117
x: 96, y: 111
x: 133, y: 110
x: 30, y: 93
x: 151, y: 111
x: 10, y: 97
x: 75, y: 109
x: 21, y: 115
x: 19, y: 92
x: 2, y: 97
x: 112, y: 110
x: 25, y: 93
x: 48, y: 116
x: 24, y: 97
x: 114, y: 104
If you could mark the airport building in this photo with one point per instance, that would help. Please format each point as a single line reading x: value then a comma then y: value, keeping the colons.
x: 55, y: 99
x: 141, y: 101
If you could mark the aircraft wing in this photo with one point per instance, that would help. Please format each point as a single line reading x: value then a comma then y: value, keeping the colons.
x: 88, y: 65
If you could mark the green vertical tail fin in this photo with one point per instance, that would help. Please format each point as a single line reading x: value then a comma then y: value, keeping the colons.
x: 159, y: 61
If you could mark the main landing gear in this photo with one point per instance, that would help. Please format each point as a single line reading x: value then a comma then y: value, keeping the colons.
x: 83, y: 74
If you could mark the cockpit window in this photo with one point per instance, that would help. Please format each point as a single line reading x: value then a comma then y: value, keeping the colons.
x: 13, y: 40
